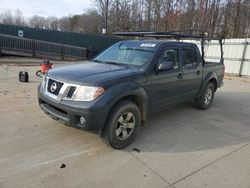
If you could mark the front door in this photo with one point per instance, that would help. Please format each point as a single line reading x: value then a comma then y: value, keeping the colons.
x: 166, y: 86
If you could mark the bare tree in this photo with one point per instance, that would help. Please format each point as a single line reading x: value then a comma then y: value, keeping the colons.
x: 7, y: 17
x: 52, y: 23
x: 230, y: 18
x: 90, y: 22
x: 103, y: 9
x: 38, y: 22
x: 19, y: 19
x: 64, y: 24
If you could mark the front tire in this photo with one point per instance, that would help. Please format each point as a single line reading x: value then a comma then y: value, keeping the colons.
x: 122, y: 125
x: 205, y: 101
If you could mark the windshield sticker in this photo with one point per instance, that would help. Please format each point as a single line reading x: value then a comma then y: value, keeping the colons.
x: 151, y: 45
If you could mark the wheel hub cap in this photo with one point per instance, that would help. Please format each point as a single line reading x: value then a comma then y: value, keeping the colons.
x: 125, y: 125
x: 208, y: 96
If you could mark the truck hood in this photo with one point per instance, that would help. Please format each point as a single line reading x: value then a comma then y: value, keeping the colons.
x: 89, y: 73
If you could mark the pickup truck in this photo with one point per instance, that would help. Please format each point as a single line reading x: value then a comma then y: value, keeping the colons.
x: 115, y: 92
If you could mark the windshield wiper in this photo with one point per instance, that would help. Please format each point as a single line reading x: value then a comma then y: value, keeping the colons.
x: 110, y: 62
x: 115, y: 63
x: 97, y: 61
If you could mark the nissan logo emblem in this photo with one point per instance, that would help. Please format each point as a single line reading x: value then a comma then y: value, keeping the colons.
x: 53, y: 87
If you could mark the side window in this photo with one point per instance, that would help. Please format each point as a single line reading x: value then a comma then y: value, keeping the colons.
x: 190, y: 57
x: 170, y: 55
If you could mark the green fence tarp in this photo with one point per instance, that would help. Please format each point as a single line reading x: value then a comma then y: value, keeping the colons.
x: 99, y: 42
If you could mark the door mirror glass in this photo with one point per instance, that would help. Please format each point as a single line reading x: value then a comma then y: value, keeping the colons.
x: 166, y: 65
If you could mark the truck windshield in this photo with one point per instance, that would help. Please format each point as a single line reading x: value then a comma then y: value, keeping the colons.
x: 128, y: 53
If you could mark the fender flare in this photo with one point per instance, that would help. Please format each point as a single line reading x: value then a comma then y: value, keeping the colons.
x: 124, y: 90
x: 210, y: 76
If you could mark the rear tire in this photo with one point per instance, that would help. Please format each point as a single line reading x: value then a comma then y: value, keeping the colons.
x: 206, y: 99
x: 122, y: 125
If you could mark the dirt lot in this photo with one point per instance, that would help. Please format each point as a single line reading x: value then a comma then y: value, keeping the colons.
x: 179, y: 147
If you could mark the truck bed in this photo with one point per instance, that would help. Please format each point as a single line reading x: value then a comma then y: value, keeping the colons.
x: 218, y: 68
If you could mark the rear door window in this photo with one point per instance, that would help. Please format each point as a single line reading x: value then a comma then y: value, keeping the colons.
x: 190, y: 57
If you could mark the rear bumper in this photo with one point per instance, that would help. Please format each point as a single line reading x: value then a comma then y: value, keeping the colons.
x: 70, y: 112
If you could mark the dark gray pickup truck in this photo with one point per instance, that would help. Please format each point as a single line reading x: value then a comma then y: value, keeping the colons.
x: 116, y: 91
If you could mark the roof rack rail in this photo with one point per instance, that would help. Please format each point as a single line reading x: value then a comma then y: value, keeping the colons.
x: 177, y: 35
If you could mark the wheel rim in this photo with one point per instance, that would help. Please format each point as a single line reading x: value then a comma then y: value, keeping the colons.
x: 125, y: 126
x: 208, y: 96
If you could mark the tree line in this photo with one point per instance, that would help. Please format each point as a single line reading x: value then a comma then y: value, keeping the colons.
x: 88, y: 22
x: 229, y: 18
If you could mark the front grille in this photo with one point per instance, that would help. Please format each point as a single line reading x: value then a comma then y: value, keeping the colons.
x: 71, y: 91
x: 54, y: 87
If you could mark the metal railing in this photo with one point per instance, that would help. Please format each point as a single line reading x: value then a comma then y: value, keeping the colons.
x: 13, y: 45
x: 236, y: 55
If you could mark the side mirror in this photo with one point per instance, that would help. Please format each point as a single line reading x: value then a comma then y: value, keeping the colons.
x: 167, y: 65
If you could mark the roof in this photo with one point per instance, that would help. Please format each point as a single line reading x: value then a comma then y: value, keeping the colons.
x: 141, y: 41
x: 178, y: 34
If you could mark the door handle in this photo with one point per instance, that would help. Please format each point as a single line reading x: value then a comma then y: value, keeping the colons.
x: 180, y: 75
x: 198, y: 72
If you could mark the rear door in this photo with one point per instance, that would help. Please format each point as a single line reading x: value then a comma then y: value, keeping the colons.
x: 192, y: 70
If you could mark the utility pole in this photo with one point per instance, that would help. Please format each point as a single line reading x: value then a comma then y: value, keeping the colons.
x: 205, y: 17
x: 106, y: 16
x: 248, y: 25
x: 203, y: 31
x: 243, y: 59
x: 149, y: 15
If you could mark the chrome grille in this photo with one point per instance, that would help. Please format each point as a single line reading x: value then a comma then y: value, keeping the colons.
x: 71, y: 92
x: 54, y: 87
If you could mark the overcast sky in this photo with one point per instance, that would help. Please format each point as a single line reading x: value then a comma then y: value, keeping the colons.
x: 47, y: 8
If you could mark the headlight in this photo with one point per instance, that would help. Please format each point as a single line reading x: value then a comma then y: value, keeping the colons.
x: 87, y: 93
x: 44, y: 82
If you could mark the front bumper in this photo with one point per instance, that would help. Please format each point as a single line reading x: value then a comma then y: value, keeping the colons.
x: 70, y: 112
